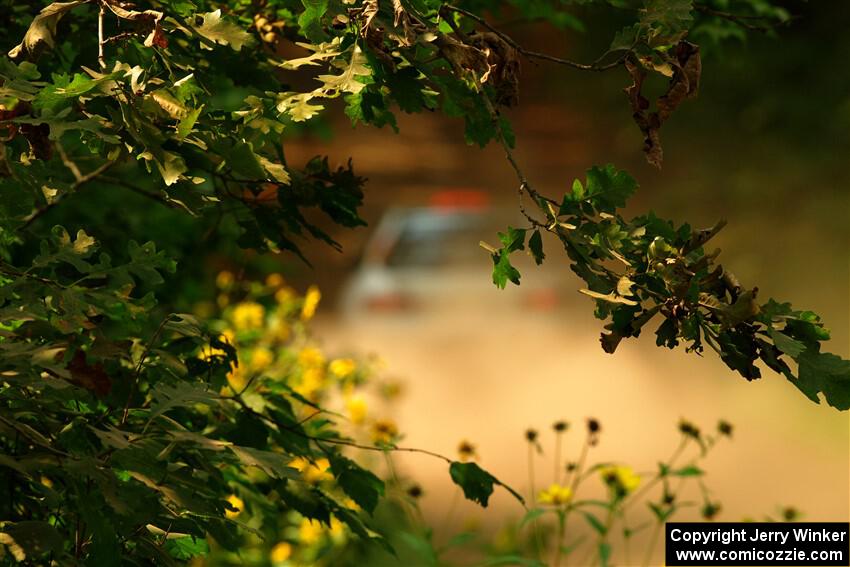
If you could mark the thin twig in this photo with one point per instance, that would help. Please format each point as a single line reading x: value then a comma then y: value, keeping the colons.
x: 101, y: 60
x: 80, y: 181
x: 738, y: 19
x: 333, y: 441
x: 68, y: 162
x: 147, y: 194
x: 595, y: 66
x: 524, y: 186
x: 138, y: 371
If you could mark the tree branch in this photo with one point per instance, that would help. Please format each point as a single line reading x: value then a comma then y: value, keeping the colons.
x: 101, y: 60
x: 738, y: 19
x: 595, y: 66
x: 80, y: 181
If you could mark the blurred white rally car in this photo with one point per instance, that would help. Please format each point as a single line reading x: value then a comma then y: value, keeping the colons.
x: 426, y: 260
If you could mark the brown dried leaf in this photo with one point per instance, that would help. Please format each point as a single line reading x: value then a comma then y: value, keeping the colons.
x: 504, y: 63
x: 684, y: 84
x: 465, y: 58
x: 366, y: 15
x: 92, y: 377
x: 43, y: 27
x: 148, y: 22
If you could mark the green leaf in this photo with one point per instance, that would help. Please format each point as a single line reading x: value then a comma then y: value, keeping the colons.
x: 513, y: 239
x: 62, y: 91
x: 30, y: 540
x: 739, y: 352
x: 146, y: 262
x: 604, y: 553
x: 243, y: 161
x: 667, y: 334
x: 275, y: 465
x: 595, y: 523
x: 422, y: 548
x: 691, y: 470
x: 785, y: 343
x: 182, y: 394
x: 477, y: 484
x: 221, y: 31
x: 184, y: 128
x: 369, y: 106
x: 535, y: 245
x: 187, y: 547
x: 358, y: 483
x: 827, y: 373
x: 406, y: 89
x: 503, y: 270
x: 608, y: 189
x: 660, y: 513
x: 310, y: 20
x: 669, y: 20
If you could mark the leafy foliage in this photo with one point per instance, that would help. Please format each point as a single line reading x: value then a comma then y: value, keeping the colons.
x: 122, y: 446
x: 646, y: 267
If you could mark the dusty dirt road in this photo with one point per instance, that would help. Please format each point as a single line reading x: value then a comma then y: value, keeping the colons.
x: 471, y: 375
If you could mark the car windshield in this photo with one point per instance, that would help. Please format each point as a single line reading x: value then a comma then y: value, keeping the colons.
x: 435, y: 238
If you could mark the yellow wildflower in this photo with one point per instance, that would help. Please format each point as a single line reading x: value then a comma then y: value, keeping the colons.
x: 224, y: 279
x: 284, y: 295
x: 384, y: 431
x: 312, y: 472
x: 274, y: 280
x: 237, y: 503
x: 261, y: 358
x: 310, y: 531
x: 279, y: 330
x: 248, y: 315
x: 622, y: 478
x: 312, y: 380
x: 337, y: 530
x: 280, y: 552
x: 311, y: 301
x: 555, y: 495
x: 357, y: 409
x: 311, y: 357
x: 342, y: 367
x: 46, y: 482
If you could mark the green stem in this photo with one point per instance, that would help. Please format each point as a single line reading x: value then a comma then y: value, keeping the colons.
x: 636, y: 496
x: 562, y: 530
x: 558, y: 467
x: 653, y: 538
x: 535, y: 527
